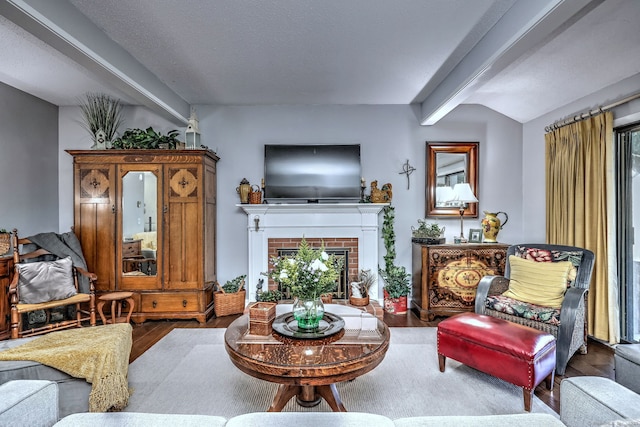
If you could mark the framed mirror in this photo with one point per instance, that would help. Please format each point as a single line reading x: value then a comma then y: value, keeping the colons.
x: 448, y: 164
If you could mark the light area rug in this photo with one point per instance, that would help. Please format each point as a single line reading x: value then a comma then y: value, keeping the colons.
x: 189, y: 372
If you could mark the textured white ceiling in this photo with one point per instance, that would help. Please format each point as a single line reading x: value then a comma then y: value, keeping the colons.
x: 34, y: 67
x: 290, y: 51
x: 599, y: 50
x: 256, y: 52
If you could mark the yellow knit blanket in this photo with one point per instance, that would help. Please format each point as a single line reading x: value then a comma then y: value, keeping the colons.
x: 100, y: 354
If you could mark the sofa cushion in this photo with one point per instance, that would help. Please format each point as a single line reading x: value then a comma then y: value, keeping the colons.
x: 510, y: 420
x: 135, y: 419
x: 525, y: 310
x: 45, y: 281
x: 540, y: 283
x: 593, y: 401
x: 28, y: 403
x: 627, y: 362
x: 73, y: 392
x: 316, y: 419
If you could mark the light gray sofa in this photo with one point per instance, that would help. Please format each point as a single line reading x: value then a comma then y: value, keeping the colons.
x: 584, y: 401
x: 73, y: 392
x: 596, y: 401
x: 35, y: 403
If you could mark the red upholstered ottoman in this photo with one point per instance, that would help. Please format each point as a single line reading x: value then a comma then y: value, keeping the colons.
x: 514, y: 353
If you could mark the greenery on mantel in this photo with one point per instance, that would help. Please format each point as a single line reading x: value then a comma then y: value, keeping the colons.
x: 396, y: 278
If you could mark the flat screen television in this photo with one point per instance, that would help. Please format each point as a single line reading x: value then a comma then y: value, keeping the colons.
x: 312, y: 173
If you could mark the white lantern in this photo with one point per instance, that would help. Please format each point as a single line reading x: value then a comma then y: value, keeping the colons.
x: 192, y: 134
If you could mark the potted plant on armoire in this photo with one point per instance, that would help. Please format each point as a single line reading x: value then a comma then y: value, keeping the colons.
x: 397, y: 282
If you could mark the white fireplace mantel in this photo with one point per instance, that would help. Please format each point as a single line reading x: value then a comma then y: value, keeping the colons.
x: 321, y: 220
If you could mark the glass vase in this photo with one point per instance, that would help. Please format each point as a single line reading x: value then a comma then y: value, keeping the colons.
x: 308, y: 313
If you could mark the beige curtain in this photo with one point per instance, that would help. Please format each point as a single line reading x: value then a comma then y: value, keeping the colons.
x: 577, y: 159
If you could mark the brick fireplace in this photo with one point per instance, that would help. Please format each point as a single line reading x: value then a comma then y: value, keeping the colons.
x: 343, y: 247
x: 350, y: 226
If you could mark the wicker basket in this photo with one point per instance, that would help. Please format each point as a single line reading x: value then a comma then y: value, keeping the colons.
x: 5, y: 243
x: 225, y: 304
x: 359, y: 302
x: 262, y: 311
x: 255, y: 197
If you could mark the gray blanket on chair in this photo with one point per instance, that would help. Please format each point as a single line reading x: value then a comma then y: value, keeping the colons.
x: 64, y: 245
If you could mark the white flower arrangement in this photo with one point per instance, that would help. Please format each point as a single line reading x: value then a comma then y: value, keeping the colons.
x: 308, y: 273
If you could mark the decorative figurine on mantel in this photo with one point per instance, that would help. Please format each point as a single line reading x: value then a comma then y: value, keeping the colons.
x: 383, y: 195
x: 243, y: 190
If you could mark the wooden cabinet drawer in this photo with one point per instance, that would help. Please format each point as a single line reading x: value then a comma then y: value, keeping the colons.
x: 176, y: 302
x: 131, y: 248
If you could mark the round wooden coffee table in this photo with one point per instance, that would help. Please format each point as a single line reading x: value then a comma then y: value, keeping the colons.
x: 307, y: 369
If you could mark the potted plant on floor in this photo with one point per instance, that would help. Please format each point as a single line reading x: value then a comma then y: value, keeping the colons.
x: 397, y: 281
x: 230, y: 297
x: 359, y: 288
x: 272, y: 295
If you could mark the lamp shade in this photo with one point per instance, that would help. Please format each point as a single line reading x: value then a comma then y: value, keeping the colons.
x: 463, y: 194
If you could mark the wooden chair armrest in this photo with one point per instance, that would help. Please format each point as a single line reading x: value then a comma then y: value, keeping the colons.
x: 92, y: 276
x: 489, y: 285
x: 13, y: 288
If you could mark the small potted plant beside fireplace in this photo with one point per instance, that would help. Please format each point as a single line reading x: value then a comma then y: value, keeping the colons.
x: 397, y: 283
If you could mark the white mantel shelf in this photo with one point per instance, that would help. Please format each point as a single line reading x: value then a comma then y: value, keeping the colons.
x: 311, y: 220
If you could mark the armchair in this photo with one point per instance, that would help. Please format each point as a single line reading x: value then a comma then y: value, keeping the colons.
x: 43, y: 281
x: 566, y: 323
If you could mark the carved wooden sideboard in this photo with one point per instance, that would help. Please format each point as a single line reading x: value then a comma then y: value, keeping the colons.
x: 445, y: 277
x: 168, y: 194
x: 6, y: 273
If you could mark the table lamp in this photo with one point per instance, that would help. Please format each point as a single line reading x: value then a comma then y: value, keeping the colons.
x: 462, y: 194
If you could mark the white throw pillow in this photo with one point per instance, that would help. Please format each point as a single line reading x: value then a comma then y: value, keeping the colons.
x: 46, y: 281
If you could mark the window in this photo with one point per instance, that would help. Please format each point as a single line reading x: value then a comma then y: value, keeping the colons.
x: 628, y: 230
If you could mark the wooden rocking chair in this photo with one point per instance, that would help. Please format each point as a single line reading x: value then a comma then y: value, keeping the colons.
x: 44, y: 285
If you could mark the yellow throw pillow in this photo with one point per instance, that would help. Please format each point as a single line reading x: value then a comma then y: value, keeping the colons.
x: 540, y: 283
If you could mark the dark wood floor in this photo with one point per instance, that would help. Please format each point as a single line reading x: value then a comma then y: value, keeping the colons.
x: 598, y: 361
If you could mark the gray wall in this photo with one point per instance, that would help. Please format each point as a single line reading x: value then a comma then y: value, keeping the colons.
x: 389, y: 135
x: 28, y: 162
x: 74, y: 137
x: 533, y: 166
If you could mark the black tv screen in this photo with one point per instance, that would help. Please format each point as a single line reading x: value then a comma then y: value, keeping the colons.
x: 312, y: 173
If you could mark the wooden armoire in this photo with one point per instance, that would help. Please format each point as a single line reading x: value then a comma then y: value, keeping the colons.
x: 147, y: 223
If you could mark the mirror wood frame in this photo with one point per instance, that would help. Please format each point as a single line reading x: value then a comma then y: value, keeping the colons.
x: 470, y: 149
